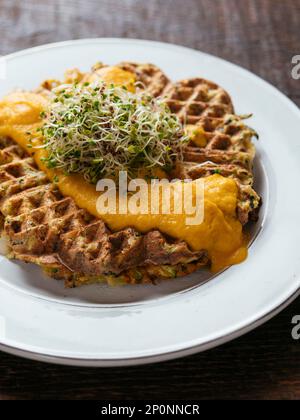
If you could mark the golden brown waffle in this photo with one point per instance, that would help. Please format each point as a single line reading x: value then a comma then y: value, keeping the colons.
x: 224, y: 145
x: 149, y: 77
x: 192, y: 99
x: 47, y: 229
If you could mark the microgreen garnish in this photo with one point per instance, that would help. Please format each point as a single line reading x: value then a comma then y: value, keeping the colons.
x: 98, y: 131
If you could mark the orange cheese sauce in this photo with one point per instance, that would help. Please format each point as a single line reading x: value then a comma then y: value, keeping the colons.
x: 112, y: 75
x: 220, y: 233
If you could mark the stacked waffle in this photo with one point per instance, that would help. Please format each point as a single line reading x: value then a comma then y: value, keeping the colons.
x: 43, y: 227
x: 220, y: 141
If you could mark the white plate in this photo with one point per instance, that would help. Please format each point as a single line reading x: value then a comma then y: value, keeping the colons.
x: 102, y: 326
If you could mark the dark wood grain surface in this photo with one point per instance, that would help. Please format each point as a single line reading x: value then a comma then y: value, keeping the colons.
x: 261, y: 35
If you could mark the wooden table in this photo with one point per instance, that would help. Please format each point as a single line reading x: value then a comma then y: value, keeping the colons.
x: 261, y: 35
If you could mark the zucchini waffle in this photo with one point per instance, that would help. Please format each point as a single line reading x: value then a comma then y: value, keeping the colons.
x: 43, y: 227
x: 223, y: 145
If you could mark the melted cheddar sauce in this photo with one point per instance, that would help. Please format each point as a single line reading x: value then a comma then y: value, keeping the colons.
x: 112, y: 75
x: 220, y: 233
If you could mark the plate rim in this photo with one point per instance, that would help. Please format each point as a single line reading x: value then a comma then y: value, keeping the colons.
x: 293, y: 294
x: 145, y: 360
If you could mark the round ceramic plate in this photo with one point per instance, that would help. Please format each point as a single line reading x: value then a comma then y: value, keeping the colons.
x: 103, y: 326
